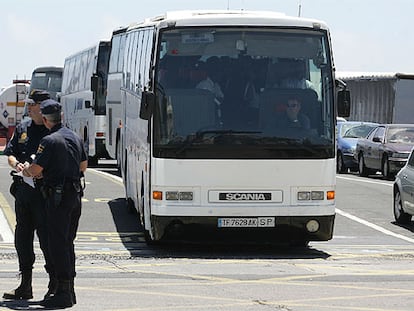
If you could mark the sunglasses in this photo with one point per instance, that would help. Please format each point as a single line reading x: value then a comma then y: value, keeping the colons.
x: 292, y: 105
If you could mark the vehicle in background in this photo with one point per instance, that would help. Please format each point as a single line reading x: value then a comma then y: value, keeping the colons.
x: 114, y: 111
x: 385, y: 149
x: 383, y: 98
x: 48, y: 79
x: 83, y: 97
x: 196, y: 157
x: 404, y: 192
x: 347, y: 136
x: 12, y: 106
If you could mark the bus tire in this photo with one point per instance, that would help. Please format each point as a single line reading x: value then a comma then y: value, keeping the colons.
x: 131, y: 207
x: 147, y: 236
x: 93, y: 161
x: 300, y: 243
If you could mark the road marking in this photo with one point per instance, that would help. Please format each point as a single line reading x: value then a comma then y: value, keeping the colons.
x: 7, y: 220
x: 109, y: 176
x: 366, y: 181
x: 374, y: 226
x: 367, y: 223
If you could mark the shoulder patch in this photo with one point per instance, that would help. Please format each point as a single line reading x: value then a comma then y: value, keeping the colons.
x: 40, y: 149
x: 23, y: 137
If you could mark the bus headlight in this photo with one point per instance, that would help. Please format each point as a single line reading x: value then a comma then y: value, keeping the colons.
x: 311, y: 195
x: 317, y: 195
x: 304, y: 195
x: 186, y: 196
x: 179, y: 195
x: 172, y: 195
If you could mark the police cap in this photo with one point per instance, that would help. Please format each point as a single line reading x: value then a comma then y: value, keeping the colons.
x: 37, y: 96
x: 50, y: 106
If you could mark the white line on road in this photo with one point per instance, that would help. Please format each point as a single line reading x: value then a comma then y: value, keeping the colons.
x: 367, y: 223
x: 366, y: 181
x: 5, y: 231
x: 374, y: 226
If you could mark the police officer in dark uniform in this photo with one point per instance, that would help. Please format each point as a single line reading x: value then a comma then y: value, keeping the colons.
x: 29, y: 203
x: 62, y: 159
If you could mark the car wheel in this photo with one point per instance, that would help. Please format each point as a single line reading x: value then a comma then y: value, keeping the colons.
x: 400, y: 216
x: 340, y: 165
x: 385, y: 169
x: 363, y: 171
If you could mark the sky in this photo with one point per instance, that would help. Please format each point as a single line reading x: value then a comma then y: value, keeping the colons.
x: 367, y: 35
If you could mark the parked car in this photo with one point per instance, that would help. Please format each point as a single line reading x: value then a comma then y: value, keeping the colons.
x: 404, y: 192
x: 346, y: 138
x: 385, y: 149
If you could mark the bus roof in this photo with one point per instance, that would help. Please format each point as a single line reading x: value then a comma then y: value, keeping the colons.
x: 48, y: 69
x: 95, y: 47
x: 230, y: 17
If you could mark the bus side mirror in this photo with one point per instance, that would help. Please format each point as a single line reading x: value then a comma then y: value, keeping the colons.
x: 147, y: 105
x: 94, y: 83
x: 344, y: 103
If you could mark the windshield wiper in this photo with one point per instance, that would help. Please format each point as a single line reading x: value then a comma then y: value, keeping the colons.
x: 199, y: 137
x: 201, y: 134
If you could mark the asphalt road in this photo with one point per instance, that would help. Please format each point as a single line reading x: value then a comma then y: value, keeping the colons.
x: 368, y: 265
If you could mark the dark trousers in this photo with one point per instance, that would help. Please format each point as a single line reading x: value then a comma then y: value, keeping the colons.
x: 30, y: 217
x: 62, y: 228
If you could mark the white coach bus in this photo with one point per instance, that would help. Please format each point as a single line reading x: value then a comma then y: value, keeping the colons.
x: 83, y: 97
x: 114, y: 111
x: 48, y: 79
x: 206, y: 143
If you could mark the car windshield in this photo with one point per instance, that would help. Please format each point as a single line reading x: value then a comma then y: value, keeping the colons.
x: 401, y: 135
x: 356, y: 130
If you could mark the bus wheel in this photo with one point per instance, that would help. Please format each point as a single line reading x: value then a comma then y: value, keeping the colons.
x: 147, y: 236
x: 92, y: 161
x: 299, y: 243
x: 130, y: 206
x: 118, y: 156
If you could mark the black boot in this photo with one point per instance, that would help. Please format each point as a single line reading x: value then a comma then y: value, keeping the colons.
x: 52, y: 287
x: 24, y: 291
x: 63, y: 297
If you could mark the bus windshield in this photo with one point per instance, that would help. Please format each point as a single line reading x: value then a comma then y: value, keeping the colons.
x: 50, y: 81
x: 244, y: 93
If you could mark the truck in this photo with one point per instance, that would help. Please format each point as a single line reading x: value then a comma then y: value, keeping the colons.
x: 12, y: 106
x: 386, y: 97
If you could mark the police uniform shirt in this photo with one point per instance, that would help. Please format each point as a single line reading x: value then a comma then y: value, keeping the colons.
x: 60, y: 154
x: 25, y: 140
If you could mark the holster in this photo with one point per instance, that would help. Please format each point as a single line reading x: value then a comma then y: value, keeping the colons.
x: 55, y: 193
x: 16, y: 181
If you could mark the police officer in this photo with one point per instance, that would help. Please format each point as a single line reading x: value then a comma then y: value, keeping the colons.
x: 62, y: 159
x: 29, y: 203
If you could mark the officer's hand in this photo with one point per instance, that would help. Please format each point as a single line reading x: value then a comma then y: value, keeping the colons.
x: 25, y: 165
x: 19, y: 167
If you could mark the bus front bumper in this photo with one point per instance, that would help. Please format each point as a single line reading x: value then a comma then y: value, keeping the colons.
x: 286, y: 228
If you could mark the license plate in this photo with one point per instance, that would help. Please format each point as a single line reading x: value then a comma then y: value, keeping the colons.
x: 251, y: 222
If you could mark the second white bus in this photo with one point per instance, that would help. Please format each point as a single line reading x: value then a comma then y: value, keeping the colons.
x: 83, y: 97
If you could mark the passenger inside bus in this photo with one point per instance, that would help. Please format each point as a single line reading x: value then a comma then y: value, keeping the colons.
x: 211, y: 74
x: 292, y: 117
x: 242, y: 88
